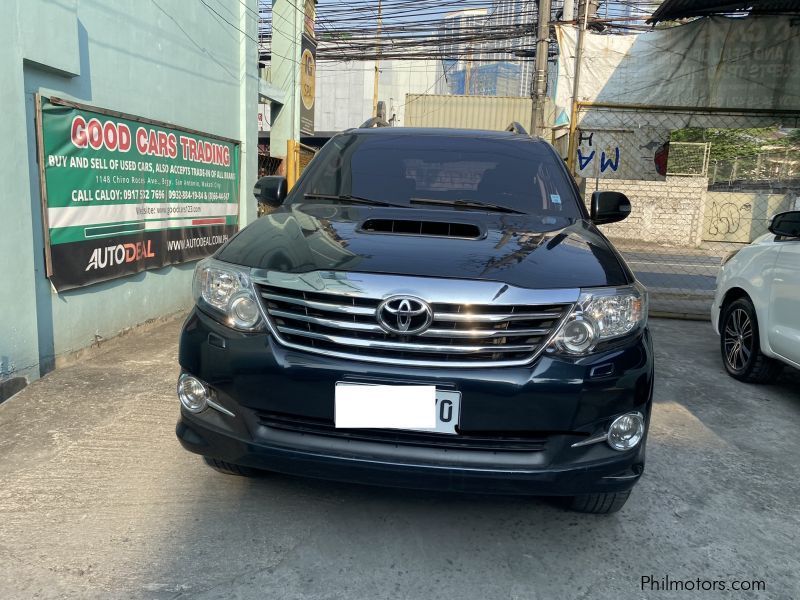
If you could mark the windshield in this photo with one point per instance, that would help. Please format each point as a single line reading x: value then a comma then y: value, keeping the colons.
x: 460, y: 171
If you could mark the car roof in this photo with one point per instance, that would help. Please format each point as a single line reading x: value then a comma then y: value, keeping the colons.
x: 444, y: 132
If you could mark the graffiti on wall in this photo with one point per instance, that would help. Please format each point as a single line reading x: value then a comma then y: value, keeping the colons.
x: 588, y: 153
x: 726, y: 217
x: 622, y: 154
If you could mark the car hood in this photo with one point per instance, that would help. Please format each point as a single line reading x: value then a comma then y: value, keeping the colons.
x: 513, y: 249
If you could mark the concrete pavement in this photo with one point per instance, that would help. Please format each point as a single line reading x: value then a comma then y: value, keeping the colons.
x: 98, y: 500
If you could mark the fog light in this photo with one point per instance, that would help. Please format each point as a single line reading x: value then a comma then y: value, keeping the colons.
x: 192, y: 393
x: 626, y: 431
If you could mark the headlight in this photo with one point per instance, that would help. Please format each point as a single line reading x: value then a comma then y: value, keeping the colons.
x: 601, y: 315
x: 729, y: 256
x: 225, y: 291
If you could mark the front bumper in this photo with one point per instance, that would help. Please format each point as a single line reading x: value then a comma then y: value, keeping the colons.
x: 561, y: 400
x: 429, y: 469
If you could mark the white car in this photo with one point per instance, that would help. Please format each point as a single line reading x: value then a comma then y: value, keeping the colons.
x: 756, y: 310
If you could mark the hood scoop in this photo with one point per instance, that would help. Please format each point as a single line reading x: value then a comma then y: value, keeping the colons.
x: 462, y: 231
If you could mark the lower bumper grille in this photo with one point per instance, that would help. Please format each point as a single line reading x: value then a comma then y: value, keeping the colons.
x: 533, y: 443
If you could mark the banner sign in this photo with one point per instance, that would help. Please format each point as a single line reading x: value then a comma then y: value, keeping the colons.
x: 308, y: 77
x: 122, y: 194
x: 716, y: 62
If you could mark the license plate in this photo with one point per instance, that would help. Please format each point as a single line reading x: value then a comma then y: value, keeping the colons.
x: 409, y: 407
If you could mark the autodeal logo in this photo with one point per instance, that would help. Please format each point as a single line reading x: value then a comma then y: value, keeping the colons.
x: 111, y: 256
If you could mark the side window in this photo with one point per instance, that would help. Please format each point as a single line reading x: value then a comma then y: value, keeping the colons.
x: 329, y: 172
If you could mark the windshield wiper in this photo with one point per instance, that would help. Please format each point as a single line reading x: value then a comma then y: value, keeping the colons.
x: 467, y: 204
x: 349, y: 199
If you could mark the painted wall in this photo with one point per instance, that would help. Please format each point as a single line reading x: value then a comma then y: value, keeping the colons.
x: 167, y: 60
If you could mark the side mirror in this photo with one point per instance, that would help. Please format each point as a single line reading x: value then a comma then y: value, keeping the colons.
x: 609, y: 207
x: 786, y: 224
x: 271, y: 190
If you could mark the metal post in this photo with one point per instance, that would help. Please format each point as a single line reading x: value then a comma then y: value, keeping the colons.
x: 573, y: 121
x: 468, y: 73
x: 539, y: 91
x: 287, y: 25
x: 787, y: 168
x: 377, y: 61
x: 292, y: 160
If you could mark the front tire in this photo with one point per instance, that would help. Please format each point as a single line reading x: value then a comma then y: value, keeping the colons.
x: 740, y: 345
x: 599, y: 504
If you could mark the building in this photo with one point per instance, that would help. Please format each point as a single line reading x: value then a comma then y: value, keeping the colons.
x: 508, y: 55
x: 344, y: 91
x: 487, y: 79
x: 456, y: 25
x: 183, y: 74
x: 515, y: 13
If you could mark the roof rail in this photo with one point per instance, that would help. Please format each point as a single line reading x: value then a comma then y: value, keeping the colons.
x: 515, y: 127
x: 374, y: 122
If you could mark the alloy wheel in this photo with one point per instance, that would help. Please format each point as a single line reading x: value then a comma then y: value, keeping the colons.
x: 738, y: 339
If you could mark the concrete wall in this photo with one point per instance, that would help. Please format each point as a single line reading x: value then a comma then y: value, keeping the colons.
x: 168, y: 60
x: 666, y: 212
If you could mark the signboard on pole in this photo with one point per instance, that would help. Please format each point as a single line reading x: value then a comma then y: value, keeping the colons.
x: 122, y: 194
x: 308, y: 74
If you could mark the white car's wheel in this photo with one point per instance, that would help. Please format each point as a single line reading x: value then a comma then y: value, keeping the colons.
x: 740, y: 346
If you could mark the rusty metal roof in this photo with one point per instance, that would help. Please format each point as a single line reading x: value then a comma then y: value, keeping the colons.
x: 682, y: 9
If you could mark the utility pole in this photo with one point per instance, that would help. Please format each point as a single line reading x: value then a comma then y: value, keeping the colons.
x: 539, y: 87
x: 377, y: 61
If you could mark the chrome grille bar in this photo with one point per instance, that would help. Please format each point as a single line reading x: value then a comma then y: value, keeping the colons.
x: 444, y: 333
x: 350, y: 325
x: 494, y: 318
x: 341, y: 308
x: 402, y: 346
x: 484, y: 333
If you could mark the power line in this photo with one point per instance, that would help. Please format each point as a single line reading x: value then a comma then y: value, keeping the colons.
x: 248, y: 36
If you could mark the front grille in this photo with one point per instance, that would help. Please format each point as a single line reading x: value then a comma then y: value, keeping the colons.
x: 459, y: 335
x: 511, y: 443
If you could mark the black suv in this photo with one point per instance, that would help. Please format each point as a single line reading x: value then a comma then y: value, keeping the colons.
x: 428, y: 308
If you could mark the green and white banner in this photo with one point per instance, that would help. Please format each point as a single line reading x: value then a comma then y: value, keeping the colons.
x: 122, y: 194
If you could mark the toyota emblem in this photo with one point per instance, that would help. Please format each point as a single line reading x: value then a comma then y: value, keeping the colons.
x: 404, y: 315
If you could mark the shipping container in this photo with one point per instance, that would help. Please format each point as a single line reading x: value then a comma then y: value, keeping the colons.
x: 467, y: 112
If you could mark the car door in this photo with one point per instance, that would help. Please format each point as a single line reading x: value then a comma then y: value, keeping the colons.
x: 784, y: 326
